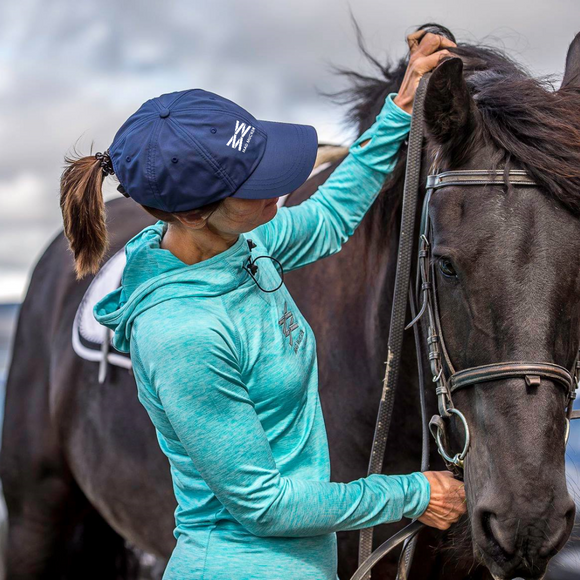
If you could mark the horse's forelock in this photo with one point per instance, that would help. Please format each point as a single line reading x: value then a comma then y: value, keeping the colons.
x: 525, y: 118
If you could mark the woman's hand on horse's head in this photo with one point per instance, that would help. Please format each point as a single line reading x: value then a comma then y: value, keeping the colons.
x: 447, y: 503
x: 426, y: 51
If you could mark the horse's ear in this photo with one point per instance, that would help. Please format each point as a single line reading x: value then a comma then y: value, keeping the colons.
x: 449, y: 108
x: 572, y: 72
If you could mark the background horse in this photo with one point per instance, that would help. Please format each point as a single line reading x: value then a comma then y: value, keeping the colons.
x: 82, y: 472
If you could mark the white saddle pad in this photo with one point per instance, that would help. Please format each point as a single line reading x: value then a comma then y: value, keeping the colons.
x: 88, y: 336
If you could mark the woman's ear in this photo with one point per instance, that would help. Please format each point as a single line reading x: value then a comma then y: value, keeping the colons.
x: 194, y: 219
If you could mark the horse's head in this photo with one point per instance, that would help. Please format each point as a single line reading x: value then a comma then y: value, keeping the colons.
x: 507, y: 262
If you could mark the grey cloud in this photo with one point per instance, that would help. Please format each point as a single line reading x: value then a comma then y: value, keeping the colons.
x: 71, y: 70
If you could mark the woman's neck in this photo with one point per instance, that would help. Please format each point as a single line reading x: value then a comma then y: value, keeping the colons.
x: 193, y: 246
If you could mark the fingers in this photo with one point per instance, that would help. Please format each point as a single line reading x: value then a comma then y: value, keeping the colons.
x: 414, y: 39
x: 427, y: 43
x: 447, y: 502
x: 424, y: 64
x: 427, y: 50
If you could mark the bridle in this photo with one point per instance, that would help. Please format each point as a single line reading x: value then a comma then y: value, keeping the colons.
x: 447, y: 379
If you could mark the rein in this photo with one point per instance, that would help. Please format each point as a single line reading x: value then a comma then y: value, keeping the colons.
x: 446, y: 378
x: 399, y: 309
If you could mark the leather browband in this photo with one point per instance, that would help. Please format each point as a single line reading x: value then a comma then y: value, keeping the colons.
x: 478, y: 177
x: 532, y: 372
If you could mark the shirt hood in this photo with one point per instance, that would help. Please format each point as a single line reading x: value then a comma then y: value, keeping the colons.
x: 153, y: 274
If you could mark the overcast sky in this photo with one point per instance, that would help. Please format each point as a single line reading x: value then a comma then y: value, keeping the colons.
x: 75, y: 70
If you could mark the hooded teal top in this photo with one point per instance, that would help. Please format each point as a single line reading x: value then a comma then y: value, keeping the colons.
x: 228, y: 375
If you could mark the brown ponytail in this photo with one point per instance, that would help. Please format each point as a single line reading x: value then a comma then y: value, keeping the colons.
x: 84, y: 215
x: 83, y: 212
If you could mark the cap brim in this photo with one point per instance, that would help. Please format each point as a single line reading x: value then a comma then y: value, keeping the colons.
x: 286, y: 164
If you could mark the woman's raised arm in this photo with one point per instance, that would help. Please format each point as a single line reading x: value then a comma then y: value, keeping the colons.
x: 318, y: 227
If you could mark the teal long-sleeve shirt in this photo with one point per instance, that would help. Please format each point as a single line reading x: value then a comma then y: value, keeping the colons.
x: 228, y: 375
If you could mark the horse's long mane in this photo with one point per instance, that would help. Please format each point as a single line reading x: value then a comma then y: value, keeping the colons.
x: 525, y: 117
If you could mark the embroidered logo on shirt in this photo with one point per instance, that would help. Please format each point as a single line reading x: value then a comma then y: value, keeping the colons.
x: 289, y: 326
x: 237, y: 139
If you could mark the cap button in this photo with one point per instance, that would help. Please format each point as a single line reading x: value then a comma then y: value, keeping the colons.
x: 164, y: 112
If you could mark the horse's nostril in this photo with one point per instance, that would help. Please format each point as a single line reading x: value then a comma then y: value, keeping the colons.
x: 498, y: 534
x: 508, y: 537
x: 559, y: 536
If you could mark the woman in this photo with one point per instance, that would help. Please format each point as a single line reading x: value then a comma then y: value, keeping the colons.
x: 224, y: 362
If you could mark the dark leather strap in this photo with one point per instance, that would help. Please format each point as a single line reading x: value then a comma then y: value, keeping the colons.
x: 532, y: 372
x: 478, y: 177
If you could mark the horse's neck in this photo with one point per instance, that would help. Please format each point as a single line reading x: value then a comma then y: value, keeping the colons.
x: 378, y: 245
x: 358, y: 281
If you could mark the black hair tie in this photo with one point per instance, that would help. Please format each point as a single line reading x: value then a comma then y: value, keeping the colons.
x: 106, y: 163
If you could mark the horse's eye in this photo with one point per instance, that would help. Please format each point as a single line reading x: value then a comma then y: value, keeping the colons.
x: 446, y: 267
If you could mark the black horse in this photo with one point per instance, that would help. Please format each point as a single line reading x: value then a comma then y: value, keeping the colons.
x: 82, y: 472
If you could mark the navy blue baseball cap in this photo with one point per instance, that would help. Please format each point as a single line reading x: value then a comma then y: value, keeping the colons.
x: 186, y: 149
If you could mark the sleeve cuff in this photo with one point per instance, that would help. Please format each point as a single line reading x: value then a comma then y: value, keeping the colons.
x: 391, y: 115
x: 385, y: 136
x: 417, y: 495
x: 394, y: 109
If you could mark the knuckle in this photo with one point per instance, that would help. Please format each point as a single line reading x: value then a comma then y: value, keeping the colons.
x: 418, y: 61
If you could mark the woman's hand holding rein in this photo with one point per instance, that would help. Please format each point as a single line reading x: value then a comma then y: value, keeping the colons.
x: 427, y: 50
x: 447, y: 503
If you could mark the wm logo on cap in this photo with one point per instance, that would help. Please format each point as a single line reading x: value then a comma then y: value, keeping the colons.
x: 237, y: 139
